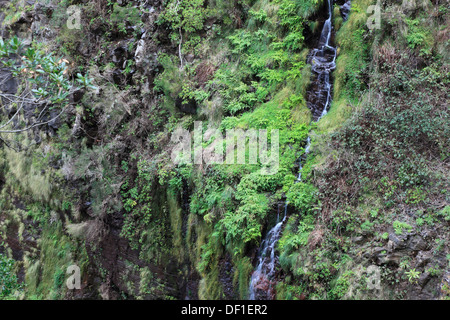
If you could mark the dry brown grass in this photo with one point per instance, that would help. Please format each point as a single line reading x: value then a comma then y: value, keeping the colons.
x: 204, y: 73
x: 316, y: 237
x: 386, y: 55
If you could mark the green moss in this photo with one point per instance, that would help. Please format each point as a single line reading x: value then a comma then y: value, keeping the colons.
x: 176, y: 224
x: 210, y: 287
x: 45, y: 277
x: 29, y: 177
x: 242, y: 274
x: 401, y: 227
x: 341, y: 286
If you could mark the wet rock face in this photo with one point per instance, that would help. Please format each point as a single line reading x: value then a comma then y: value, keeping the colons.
x: 264, y: 290
x: 226, y: 277
x: 323, y: 62
x: 264, y: 278
x: 345, y: 10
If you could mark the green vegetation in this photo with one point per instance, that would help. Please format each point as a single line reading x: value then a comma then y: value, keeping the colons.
x: 401, y: 227
x: 364, y: 170
x: 96, y: 186
x: 8, y: 280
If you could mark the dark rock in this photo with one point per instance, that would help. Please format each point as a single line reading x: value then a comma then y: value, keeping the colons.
x: 392, y: 258
x: 423, y: 257
x: 358, y: 240
x: 416, y: 243
x: 77, y: 95
x: 378, y: 250
x: 376, y: 253
x: 189, y: 107
x: 119, y: 56
x: 423, y: 279
x: 428, y: 234
x: 118, y: 77
x: 55, y: 122
x: 397, y: 242
x: 8, y: 83
x: 42, y: 24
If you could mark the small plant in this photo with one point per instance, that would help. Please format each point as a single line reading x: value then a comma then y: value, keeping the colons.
x: 260, y: 16
x: 401, y: 227
x: 374, y: 213
x: 404, y: 264
x: 412, y: 275
x: 367, y: 226
x: 420, y: 222
x: 434, y: 271
x: 85, y: 81
x: 8, y: 279
x: 445, y: 213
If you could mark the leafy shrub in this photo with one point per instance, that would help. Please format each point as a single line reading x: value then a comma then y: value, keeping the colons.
x: 8, y: 279
x: 401, y: 227
x: 302, y: 196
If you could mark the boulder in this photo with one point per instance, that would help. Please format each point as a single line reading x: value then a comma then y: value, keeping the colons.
x: 423, y: 279
x: 397, y: 242
x: 392, y: 258
x: 422, y: 258
x: 416, y: 243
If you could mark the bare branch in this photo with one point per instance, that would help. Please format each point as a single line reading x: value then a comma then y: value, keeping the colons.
x: 33, y: 125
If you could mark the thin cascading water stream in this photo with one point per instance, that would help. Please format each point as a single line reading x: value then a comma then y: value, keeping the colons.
x: 323, y: 61
x: 262, y: 276
x: 303, y: 158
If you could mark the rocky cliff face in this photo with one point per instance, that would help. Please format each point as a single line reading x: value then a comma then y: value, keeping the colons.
x: 97, y: 187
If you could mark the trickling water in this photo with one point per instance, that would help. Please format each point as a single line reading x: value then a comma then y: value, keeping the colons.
x: 303, y: 158
x: 323, y: 61
x: 262, y: 277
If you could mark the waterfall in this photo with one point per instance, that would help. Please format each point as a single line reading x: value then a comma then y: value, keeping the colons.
x: 262, y: 276
x: 303, y: 158
x: 323, y: 61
